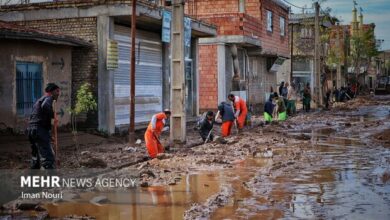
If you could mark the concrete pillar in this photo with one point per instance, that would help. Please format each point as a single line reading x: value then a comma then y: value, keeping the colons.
x: 196, y: 72
x: 221, y: 59
x: 106, y: 109
x: 178, y: 117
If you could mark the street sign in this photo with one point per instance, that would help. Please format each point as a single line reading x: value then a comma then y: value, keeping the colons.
x: 166, y: 27
x: 112, y: 55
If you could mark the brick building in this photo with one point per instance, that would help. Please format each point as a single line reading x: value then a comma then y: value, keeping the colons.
x: 99, y: 22
x: 252, y: 35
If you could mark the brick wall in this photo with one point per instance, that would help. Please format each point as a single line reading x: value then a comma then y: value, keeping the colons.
x: 272, y: 42
x: 253, y: 22
x: 71, y: 4
x: 234, y: 24
x: 229, y: 21
x: 208, y: 78
x: 84, y: 60
x: 207, y: 7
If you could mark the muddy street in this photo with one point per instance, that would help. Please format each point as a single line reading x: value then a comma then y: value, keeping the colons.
x: 320, y: 165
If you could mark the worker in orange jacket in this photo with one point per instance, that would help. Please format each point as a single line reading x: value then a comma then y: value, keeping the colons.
x: 153, y: 132
x: 240, y: 108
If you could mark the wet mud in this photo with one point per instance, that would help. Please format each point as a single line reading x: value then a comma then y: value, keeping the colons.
x: 322, y: 165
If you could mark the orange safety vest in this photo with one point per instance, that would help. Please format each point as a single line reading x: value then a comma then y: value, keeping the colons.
x: 160, y: 122
x: 240, y: 104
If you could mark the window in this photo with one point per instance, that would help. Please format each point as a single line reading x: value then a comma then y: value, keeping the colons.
x: 269, y: 21
x: 28, y: 86
x: 282, y: 26
x: 242, y: 63
x: 306, y: 32
x: 241, y: 6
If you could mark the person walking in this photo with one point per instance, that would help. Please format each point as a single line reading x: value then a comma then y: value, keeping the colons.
x: 306, y: 98
x: 153, y: 132
x: 281, y: 88
x: 291, y: 100
x: 39, y: 129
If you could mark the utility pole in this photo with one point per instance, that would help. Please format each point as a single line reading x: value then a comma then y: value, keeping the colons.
x: 178, y: 118
x: 338, y: 76
x: 384, y: 62
x: 317, y: 59
x: 292, y: 52
x: 132, y: 72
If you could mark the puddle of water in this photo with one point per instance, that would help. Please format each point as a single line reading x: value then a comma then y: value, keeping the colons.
x: 166, y: 202
x: 145, y: 203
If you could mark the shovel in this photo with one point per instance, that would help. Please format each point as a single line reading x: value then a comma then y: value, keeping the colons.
x: 55, y: 134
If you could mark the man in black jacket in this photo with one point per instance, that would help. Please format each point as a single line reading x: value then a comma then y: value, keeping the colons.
x: 206, y: 125
x: 40, y: 127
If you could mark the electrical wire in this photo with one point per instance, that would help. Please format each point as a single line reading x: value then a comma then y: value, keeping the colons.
x: 296, y: 5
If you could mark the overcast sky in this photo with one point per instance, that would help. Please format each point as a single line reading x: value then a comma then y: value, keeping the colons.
x: 374, y: 11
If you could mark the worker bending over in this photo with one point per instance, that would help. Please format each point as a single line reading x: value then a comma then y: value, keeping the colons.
x: 227, y: 115
x: 269, y: 109
x: 239, y: 105
x: 153, y: 132
x: 206, y: 126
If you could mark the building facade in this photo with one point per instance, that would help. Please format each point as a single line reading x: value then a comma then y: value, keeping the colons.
x: 100, y: 24
x: 28, y: 61
x: 302, y: 53
x: 341, y: 43
x: 250, y: 46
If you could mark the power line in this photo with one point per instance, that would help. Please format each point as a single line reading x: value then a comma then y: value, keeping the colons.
x: 296, y: 5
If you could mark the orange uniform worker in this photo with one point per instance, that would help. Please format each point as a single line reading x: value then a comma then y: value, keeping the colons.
x: 227, y: 115
x: 240, y: 108
x: 153, y: 132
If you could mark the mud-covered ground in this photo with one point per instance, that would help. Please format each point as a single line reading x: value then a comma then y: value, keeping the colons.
x: 319, y: 165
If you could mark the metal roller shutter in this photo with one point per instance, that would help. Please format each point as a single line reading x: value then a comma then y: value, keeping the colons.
x: 148, y: 77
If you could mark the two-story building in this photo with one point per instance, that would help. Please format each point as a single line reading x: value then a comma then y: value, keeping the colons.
x: 302, y: 43
x: 250, y: 46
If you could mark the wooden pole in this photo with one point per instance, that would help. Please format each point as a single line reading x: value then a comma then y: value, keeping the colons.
x: 292, y: 52
x: 338, y: 76
x: 317, y: 55
x: 55, y: 136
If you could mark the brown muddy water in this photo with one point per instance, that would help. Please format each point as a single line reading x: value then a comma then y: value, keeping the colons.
x: 341, y: 175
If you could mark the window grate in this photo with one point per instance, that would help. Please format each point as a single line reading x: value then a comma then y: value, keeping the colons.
x: 28, y: 86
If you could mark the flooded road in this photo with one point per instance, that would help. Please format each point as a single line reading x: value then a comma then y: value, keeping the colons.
x: 335, y: 172
x: 341, y: 175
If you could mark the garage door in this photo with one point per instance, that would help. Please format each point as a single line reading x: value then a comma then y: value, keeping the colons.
x: 148, y: 77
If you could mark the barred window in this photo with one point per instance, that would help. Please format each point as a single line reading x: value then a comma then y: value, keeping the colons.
x: 28, y: 86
